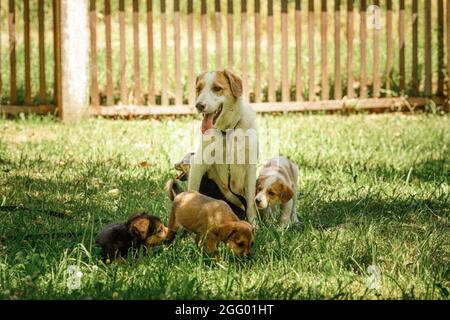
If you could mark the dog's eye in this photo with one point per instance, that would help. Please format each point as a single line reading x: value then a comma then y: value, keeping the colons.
x: 216, y: 89
x: 271, y: 193
x: 240, y: 244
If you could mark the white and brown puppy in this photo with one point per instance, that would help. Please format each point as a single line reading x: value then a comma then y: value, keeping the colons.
x: 277, y: 185
x: 219, y: 99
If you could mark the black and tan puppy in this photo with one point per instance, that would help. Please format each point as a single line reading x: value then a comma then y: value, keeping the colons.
x: 211, y: 220
x: 141, y: 229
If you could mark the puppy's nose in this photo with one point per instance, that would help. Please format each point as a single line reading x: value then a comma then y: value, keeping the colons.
x: 258, y: 201
x: 200, y: 107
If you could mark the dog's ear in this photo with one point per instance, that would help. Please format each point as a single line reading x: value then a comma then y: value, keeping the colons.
x: 225, y: 230
x: 139, y: 227
x: 286, y: 193
x: 235, y: 83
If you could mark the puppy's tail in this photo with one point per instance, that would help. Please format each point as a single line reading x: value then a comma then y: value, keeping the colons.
x: 172, y: 189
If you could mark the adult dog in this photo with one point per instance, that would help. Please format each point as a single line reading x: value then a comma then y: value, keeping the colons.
x: 219, y: 99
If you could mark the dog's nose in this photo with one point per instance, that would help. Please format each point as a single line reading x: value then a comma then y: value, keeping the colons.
x: 258, y: 201
x: 200, y: 107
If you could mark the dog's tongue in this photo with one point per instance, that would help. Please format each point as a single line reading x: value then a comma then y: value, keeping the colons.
x: 207, y: 122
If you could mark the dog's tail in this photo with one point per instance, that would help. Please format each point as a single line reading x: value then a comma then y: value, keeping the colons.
x: 172, y: 189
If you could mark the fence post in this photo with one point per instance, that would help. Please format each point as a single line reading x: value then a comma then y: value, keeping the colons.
x: 72, y: 59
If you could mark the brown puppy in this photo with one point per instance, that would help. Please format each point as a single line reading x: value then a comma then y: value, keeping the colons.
x: 211, y: 220
x: 140, y: 229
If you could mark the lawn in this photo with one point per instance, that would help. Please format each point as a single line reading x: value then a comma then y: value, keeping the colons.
x: 374, y: 193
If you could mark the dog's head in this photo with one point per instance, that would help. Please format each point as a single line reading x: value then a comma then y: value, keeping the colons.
x: 217, y: 93
x: 272, y: 189
x: 238, y: 235
x: 147, y: 229
x: 184, y: 166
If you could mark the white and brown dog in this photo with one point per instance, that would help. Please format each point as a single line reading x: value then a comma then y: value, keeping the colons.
x: 219, y: 99
x: 277, y: 185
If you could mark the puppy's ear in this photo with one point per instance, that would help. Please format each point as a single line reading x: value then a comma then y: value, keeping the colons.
x: 286, y: 193
x: 139, y: 227
x: 225, y: 230
x: 235, y: 83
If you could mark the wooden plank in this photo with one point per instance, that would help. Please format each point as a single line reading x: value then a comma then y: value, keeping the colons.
x: 12, y: 53
x: 191, y: 52
x: 95, y: 100
x: 177, y: 48
x: 218, y: 17
x: 150, y: 54
x: 428, y: 47
x: 394, y: 104
x: 389, y: 50
x: 26, y: 36
x: 415, y: 48
x: 298, y: 52
x: 42, y: 86
x: 230, y: 33
x: 401, y: 39
x: 270, y: 53
x: 204, y: 34
x: 57, y: 55
x: 337, y: 50
x: 311, y: 85
x: 284, y: 52
x: 441, y: 46
x: 1, y: 73
x: 14, y: 110
x: 244, y: 50
x: 122, y: 54
x: 324, y: 49
x: 136, y: 55
x: 363, y: 49
x: 257, y: 62
x: 109, y: 79
x: 350, y: 80
x: 376, y: 60
x: 164, y: 75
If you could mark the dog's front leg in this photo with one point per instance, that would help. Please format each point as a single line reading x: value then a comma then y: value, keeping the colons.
x: 250, y: 188
x: 286, y: 211
x: 195, y: 176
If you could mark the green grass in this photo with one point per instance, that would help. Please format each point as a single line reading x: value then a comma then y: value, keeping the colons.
x: 374, y: 190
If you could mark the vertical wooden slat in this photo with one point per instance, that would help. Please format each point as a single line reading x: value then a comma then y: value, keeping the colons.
x: 324, y: 49
x: 12, y: 53
x: 401, y: 39
x: 57, y: 54
x: 244, y: 44
x: 164, y: 75
x: 415, y: 48
x: 311, y: 86
x: 428, y: 44
x: 350, y: 80
x: 204, y: 34
x: 270, y: 55
x: 218, y: 17
x: 257, y: 62
x: 150, y: 54
x: 93, y: 37
x: 1, y: 73
x: 176, y: 29
x: 284, y: 52
x: 389, y: 45
x: 122, y: 62
x: 298, y: 51
x: 191, y: 56
x: 363, y: 48
x: 441, y: 45
x: 337, y: 50
x: 136, y: 55
x: 109, y: 81
x: 230, y: 32
x: 42, y: 86
x: 376, y: 60
x: 26, y: 23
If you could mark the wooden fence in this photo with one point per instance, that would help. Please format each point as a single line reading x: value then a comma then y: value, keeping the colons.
x: 291, y: 55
